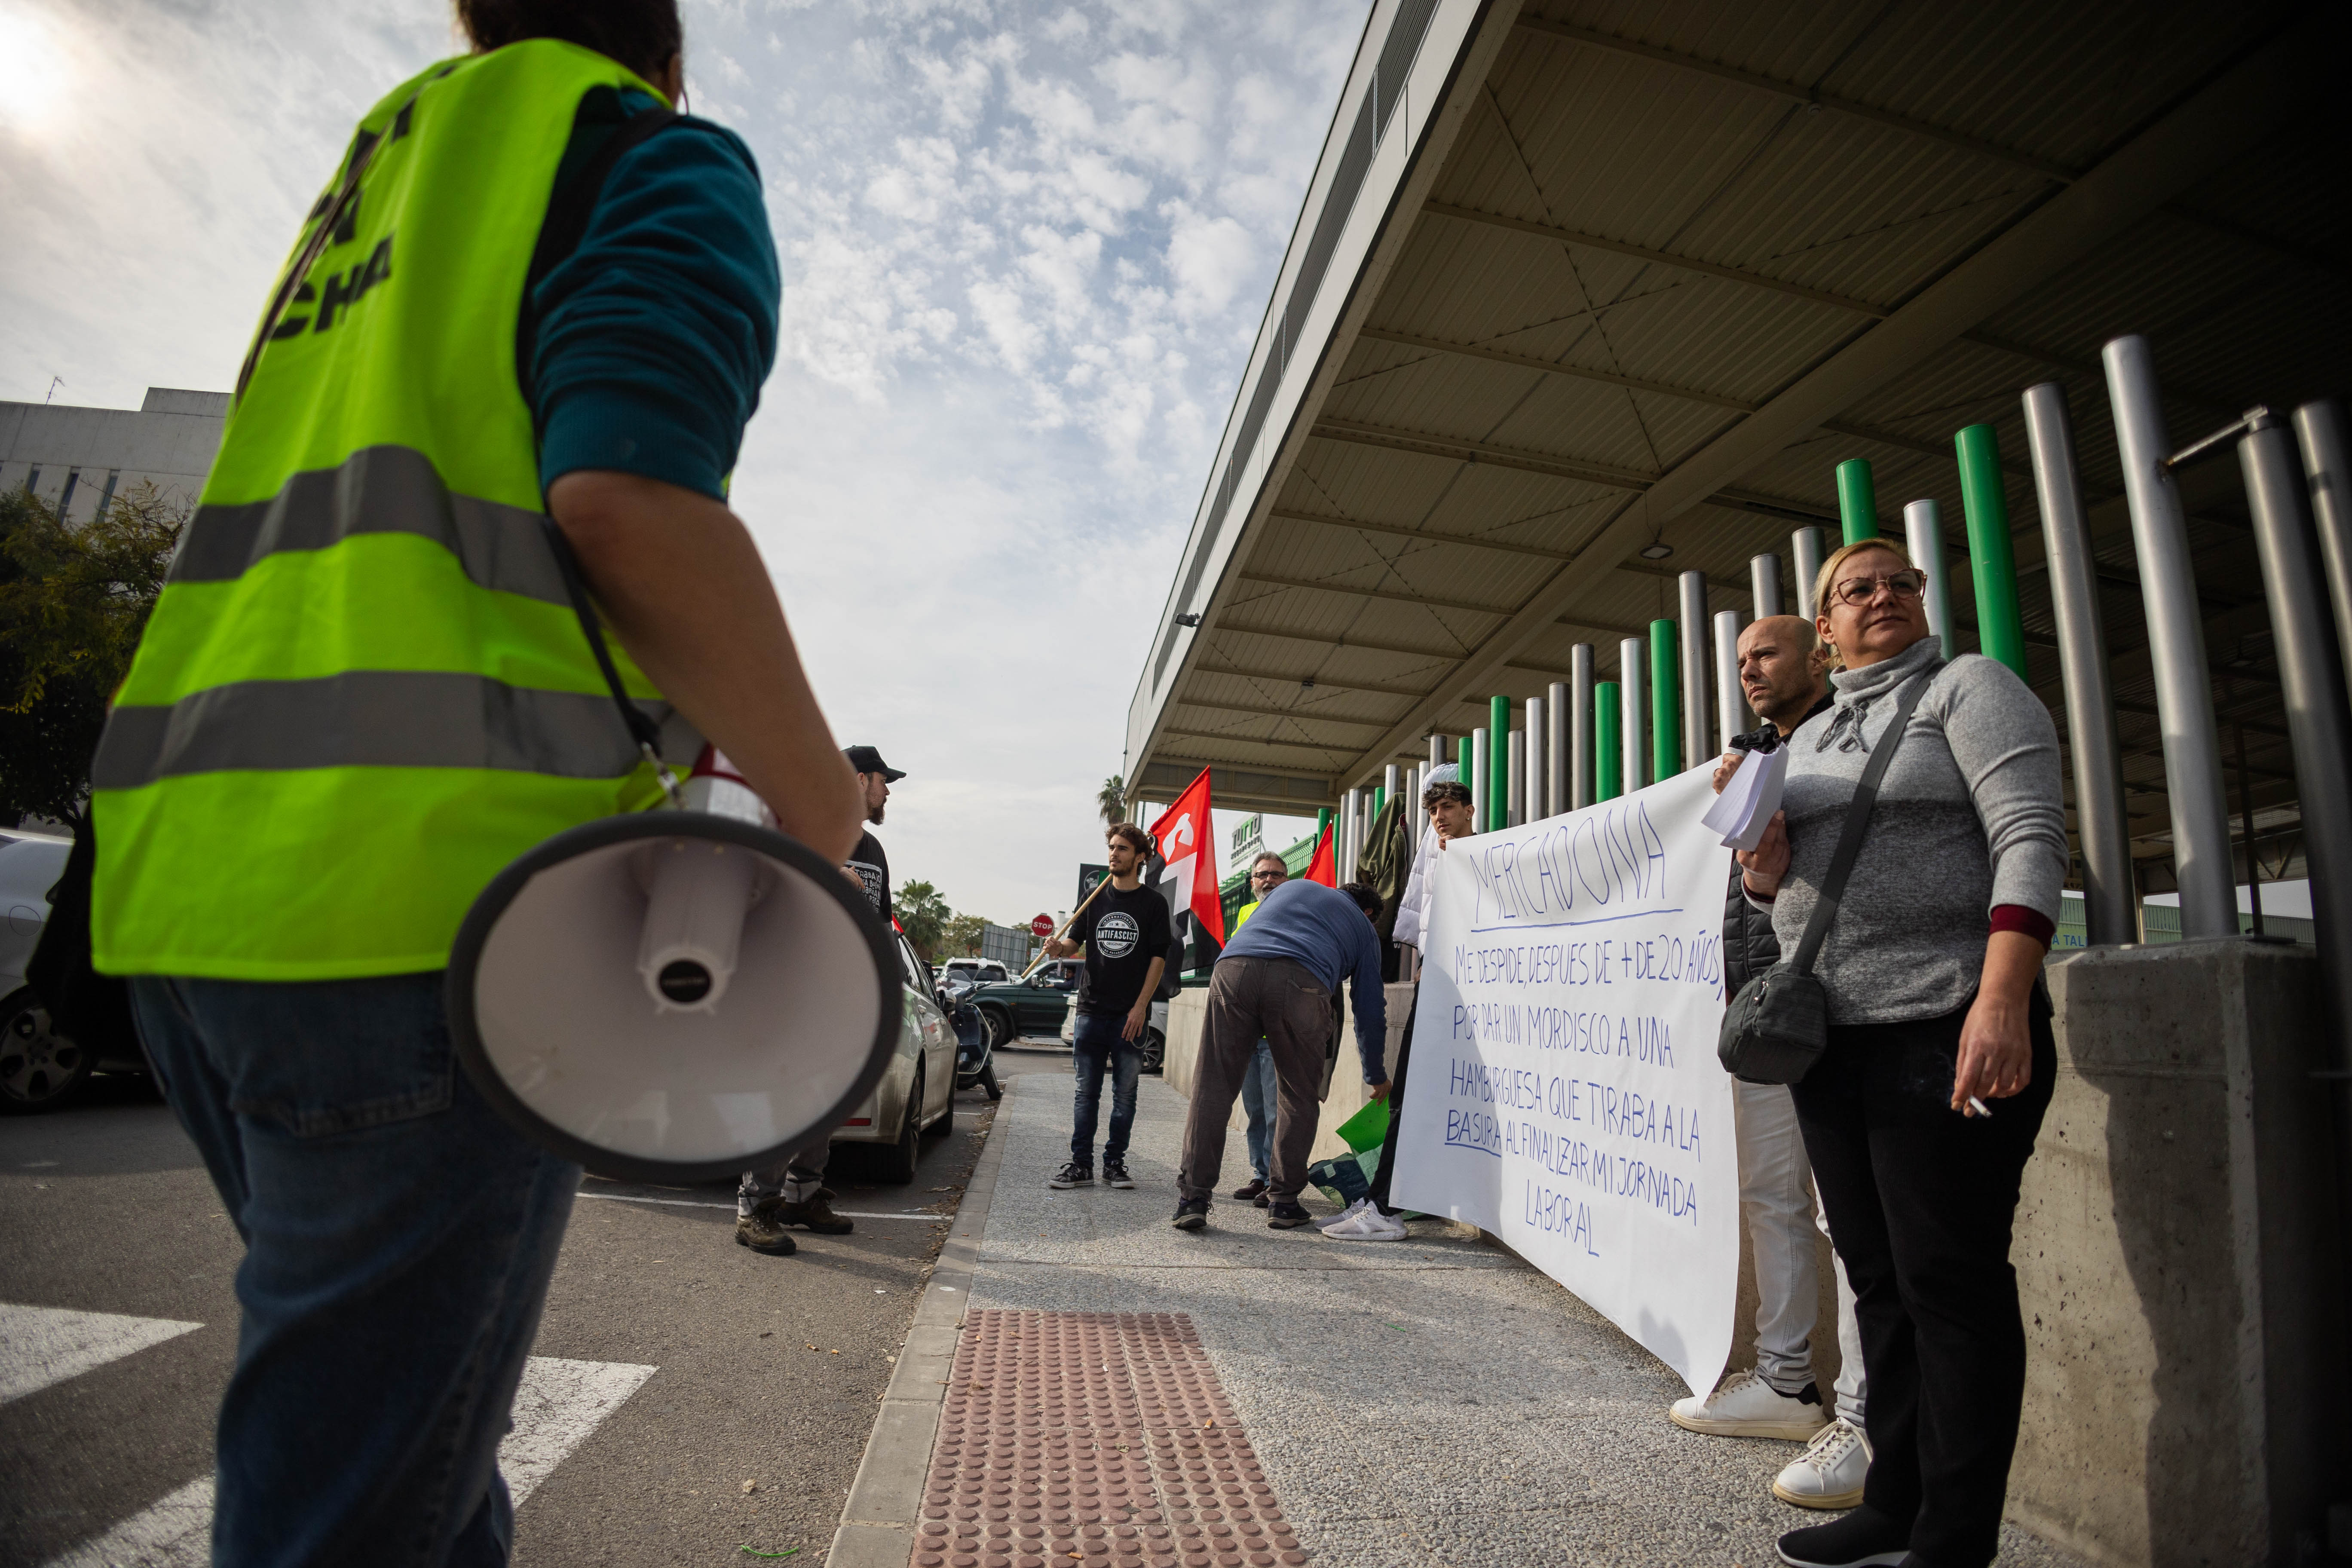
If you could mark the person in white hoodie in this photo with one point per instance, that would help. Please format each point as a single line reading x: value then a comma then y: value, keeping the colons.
x: 1447, y: 801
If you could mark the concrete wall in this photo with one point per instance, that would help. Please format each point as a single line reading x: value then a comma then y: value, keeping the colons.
x: 170, y: 442
x: 2179, y: 1257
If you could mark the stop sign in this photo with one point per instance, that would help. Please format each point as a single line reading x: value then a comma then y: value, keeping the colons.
x: 1043, y: 925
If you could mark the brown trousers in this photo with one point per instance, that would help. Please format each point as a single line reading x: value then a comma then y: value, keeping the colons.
x: 1249, y: 997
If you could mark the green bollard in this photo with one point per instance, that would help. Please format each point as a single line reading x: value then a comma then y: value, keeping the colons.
x: 1857, y: 499
x: 2001, y: 634
x: 1666, y: 703
x: 1498, y: 764
x: 1322, y: 821
x: 1379, y: 799
x: 1608, y: 744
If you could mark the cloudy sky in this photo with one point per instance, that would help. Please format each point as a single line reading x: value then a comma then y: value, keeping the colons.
x: 1025, y: 249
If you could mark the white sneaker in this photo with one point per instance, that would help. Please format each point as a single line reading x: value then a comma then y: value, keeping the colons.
x: 1345, y: 1215
x: 1748, y: 1406
x: 1367, y: 1224
x: 1829, y: 1473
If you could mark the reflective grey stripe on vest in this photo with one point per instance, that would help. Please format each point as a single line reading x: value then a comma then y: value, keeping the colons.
x: 378, y: 489
x: 390, y: 718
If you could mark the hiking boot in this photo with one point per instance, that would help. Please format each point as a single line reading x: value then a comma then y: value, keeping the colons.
x: 1748, y: 1406
x: 1072, y: 1175
x: 1286, y: 1216
x: 1829, y: 1473
x: 1191, y: 1213
x: 1863, y: 1539
x: 1256, y: 1189
x: 759, y: 1231
x: 1115, y: 1173
x: 815, y: 1215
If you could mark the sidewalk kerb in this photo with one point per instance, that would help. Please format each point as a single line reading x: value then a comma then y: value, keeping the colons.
x: 878, y: 1522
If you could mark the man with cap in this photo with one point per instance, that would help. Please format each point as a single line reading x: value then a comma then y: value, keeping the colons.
x: 794, y: 1192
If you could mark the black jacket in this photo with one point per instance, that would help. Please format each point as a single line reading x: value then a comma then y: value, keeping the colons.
x: 1750, y: 948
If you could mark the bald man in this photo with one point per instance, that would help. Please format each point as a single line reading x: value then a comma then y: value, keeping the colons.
x: 1784, y: 671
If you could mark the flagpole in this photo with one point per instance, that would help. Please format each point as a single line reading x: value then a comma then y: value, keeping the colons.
x: 1042, y: 955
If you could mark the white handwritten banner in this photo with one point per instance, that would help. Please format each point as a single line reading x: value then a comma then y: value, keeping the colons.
x: 1564, y: 1092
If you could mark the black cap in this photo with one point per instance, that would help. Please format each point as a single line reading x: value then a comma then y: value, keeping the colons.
x: 867, y: 760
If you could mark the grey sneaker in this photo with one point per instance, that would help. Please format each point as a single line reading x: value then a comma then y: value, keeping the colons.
x: 1286, y: 1216
x: 1115, y: 1175
x: 1072, y: 1175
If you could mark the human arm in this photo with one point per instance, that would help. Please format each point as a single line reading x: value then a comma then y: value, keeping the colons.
x: 684, y: 589
x: 1725, y: 766
x: 1057, y: 948
x: 1761, y: 868
x: 1371, y: 1007
x: 1996, y: 1054
x: 1074, y: 935
x: 1140, y: 1013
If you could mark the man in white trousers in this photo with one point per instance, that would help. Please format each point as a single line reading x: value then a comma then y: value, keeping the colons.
x: 1784, y: 673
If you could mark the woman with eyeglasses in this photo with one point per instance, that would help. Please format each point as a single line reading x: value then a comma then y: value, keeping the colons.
x: 1920, y: 1116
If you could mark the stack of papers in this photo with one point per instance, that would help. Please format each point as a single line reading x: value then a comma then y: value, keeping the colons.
x: 1744, y: 810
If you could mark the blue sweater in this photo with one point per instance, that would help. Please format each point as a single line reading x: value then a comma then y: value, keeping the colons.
x: 654, y: 336
x: 1322, y: 928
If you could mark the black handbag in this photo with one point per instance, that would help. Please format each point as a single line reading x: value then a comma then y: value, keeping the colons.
x: 1779, y: 1024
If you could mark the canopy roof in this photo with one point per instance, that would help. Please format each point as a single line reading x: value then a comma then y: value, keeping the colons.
x: 1573, y: 279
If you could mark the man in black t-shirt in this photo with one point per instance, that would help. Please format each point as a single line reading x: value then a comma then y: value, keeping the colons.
x: 1126, y: 933
x: 794, y: 1192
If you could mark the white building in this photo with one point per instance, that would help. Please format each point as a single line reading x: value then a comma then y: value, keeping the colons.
x: 79, y: 460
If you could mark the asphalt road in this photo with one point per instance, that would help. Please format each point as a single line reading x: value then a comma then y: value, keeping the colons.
x: 104, y: 1208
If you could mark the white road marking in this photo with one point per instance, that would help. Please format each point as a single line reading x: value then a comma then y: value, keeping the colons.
x: 706, y: 1204
x: 42, y: 1345
x: 559, y: 1404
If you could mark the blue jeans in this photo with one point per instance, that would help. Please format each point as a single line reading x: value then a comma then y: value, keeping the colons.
x: 1094, y: 1049
x: 399, y: 1240
x: 1257, y: 1104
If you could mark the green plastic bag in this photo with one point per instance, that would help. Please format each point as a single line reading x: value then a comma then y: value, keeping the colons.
x: 1368, y: 1128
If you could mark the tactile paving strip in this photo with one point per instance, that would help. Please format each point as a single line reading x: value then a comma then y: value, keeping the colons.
x: 1102, y: 1438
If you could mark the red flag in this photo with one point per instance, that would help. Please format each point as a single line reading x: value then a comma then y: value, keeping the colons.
x: 1324, y: 866
x: 1186, y: 835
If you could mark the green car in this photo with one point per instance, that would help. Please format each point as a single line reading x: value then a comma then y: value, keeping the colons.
x: 1037, y: 1005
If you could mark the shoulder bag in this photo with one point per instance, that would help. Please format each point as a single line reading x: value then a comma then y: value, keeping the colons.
x: 1779, y: 1024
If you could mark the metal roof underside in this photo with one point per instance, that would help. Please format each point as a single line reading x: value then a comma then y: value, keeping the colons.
x: 1677, y: 261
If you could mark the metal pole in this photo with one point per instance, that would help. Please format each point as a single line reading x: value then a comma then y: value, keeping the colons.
x: 2327, y: 471
x: 1608, y: 716
x: 1632, y: 698
x: 1984, y: 502
x: 1556, y: 748
x: 1730, y: 698
x: 1857, y: 501
x: 1923, y: 524
x: 1515, y: 793
x: 2100, y: 823
x: 1540, y: 718
x: 1438, y: 751
x: 2246, y: 828
x: 1498, y: 764
x: 1390, y: 778
x: 1764, y: 584
x: 2311, y: 678
x: 1478, y: 780
x: 1805, y: 550
x: 2176, y: 636
x: 1666, y: 708
x: 1581, y: 751
x: 1692, y: 623
x: 1343, y: 858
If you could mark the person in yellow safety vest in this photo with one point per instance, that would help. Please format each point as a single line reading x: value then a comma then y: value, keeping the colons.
x: 1267, y: 872
x: 530, y: 289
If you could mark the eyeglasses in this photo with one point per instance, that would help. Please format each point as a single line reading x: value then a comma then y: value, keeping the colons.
x: 1265, y: 876
x: 1859, y: 591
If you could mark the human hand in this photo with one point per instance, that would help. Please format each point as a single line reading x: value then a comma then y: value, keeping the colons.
x: 1996, y: 1054
x: 1762, y: 868
x: 856, y: 880
x: 1133, y: 1028
x: 1378, y: 1090
x: 1725, y: 767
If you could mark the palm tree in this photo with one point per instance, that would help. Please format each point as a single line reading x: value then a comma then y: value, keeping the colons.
x: 1112, y: 800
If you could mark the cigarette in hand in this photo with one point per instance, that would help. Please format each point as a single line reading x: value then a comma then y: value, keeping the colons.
x: 1978, y: 1106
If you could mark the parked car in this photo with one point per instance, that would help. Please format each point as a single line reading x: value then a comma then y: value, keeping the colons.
x: 917, y: 1094
x: 1032, y: 1006
x: 1155, y: 1033
x: 982, y: 970
x: 40, y: 1069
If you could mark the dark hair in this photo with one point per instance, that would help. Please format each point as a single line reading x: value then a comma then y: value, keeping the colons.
x: 1366, y: 899
x: 1131, y: 834
x: 643, y: 35
x: 1444, y: 789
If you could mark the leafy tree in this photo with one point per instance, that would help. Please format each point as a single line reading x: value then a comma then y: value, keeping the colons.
x: 923, y: 915
x: 961, y: 936
x: 72, y: 604
x: 1112, y: 800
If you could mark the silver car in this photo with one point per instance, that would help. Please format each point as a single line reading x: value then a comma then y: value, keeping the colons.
x: 917, y: 1094
x: 40, y: 1069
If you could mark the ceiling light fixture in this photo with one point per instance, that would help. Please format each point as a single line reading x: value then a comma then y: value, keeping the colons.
x: 1656, y: 549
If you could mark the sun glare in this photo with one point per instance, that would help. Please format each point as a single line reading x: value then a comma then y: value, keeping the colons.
x: 33, y: 87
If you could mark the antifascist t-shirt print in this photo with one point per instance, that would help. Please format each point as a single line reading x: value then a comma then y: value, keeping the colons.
x: 1117, y: 933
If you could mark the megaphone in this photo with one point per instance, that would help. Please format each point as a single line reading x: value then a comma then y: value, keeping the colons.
x: 673, y: 996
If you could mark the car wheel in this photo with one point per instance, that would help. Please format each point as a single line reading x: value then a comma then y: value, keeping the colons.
x: 1155, y: 1050
x: 988, y: 1081
x: 898, y: 1164
x: 998, y: 1026
x: 40, y: 1069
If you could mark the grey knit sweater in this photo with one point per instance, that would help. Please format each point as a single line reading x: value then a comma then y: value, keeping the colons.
x: 1970, y: 816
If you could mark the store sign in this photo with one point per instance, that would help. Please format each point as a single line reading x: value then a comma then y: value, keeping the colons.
x: 1249, y: 840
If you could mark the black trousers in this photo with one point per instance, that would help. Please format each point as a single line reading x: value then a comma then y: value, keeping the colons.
x: 1379, y: 1191
x: 1920, y: 1203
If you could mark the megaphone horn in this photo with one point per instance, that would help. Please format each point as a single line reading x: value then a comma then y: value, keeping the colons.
x: 675, y: 995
